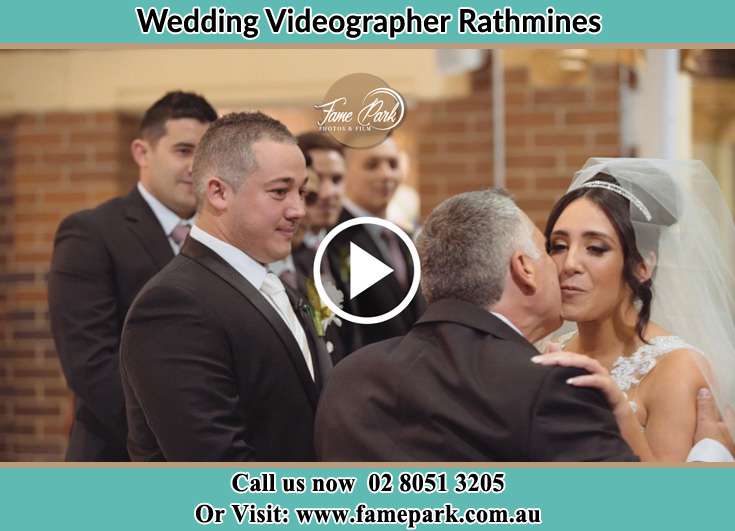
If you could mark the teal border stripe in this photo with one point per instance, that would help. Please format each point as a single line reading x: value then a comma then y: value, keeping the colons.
x: 115, y: 22
x: 164, y: 498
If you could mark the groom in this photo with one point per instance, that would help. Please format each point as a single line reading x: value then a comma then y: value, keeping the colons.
x: 218, y: 363
x: 460, y: 385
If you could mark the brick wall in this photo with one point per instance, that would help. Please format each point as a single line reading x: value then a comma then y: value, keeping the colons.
x: 51, y: 164
x: 6, y: 242
x: 550, y: 132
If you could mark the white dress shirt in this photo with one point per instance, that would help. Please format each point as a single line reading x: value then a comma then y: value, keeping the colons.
x: 165, y: 216
x: 507, y: 321
x: 282, y: 266
x: 254, y: 272
x: 312, y: 240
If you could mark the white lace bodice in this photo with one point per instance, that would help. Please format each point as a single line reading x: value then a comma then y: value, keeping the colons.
x: 628, y: 371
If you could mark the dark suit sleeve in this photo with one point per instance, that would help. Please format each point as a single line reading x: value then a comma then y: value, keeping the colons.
x: 574, y: 423
x: 83, y: 311
x: 178, y: 365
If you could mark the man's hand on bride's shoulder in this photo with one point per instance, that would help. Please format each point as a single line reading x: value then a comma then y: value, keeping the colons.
x: 598, y: 377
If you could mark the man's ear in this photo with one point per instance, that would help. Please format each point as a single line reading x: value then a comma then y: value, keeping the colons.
x: 218, y: 193
x: 644, y: 270
x: 140, y: 148
x: 523, y: 273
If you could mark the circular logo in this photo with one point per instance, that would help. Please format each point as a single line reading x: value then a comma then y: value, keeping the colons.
x: 367, y: 270
x: 360, y: 110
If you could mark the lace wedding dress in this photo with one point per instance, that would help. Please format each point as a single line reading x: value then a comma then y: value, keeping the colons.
x: 687, y: 225
x: 629, y: 371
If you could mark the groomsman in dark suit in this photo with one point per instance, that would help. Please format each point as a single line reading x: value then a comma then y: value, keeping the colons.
x: 373, y: 174
x: 219, y: 360
x: 323, y: 205
x: 461, y: 386
x: 103, y: 256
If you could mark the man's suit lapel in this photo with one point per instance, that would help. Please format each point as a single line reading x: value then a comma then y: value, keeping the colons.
x: 321, y: 360
x: 143, y: 223
x: 209, y: 259
x: 303, y: 258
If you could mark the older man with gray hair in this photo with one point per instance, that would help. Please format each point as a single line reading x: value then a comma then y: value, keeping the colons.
x: 460, y: 385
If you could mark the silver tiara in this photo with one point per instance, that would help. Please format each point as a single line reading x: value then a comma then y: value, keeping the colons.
x: 620, y: 191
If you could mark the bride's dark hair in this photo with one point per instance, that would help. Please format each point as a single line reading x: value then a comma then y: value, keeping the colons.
x: 617, y: 209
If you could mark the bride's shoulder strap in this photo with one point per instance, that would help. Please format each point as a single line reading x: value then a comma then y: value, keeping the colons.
x: 629, y: 371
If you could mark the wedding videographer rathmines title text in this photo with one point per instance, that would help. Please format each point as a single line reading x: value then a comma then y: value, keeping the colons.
x: 353, y: 26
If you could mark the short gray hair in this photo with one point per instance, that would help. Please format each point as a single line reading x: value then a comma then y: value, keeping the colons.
x: 226, y: 148
x: 466, y: 245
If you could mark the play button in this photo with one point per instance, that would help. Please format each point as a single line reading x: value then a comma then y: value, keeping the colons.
x: 366, y: 270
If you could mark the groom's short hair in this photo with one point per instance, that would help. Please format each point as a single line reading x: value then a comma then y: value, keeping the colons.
x: 226, y: 148
x: 466, y: 245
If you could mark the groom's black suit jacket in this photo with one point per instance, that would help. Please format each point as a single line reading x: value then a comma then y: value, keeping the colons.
x: 460, y: 386
x: 211, y: 371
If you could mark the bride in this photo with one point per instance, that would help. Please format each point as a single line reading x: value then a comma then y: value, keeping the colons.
x: 645, y: 252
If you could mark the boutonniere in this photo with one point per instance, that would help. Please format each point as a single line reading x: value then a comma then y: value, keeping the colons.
x: 320, y: 312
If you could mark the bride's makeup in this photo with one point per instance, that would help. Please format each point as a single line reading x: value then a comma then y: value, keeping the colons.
x: 589, y: 258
